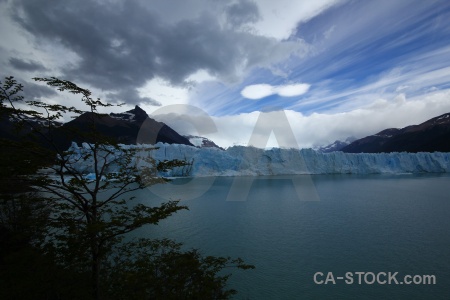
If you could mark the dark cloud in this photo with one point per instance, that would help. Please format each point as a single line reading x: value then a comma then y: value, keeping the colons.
x: 29, y: 65
x: 242, y: 12
x: 131, y: 96
x: 33, y: 91
x: 122, y: 45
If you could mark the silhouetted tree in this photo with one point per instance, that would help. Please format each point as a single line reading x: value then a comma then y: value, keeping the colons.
x: 85, y: 217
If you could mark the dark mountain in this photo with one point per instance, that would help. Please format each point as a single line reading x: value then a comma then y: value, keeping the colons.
x: 8, y: 130
x: 11, y: 130
x: 128, y: 127
x: 336, y: 146
x: 17, y: 142
x: 430, y: 136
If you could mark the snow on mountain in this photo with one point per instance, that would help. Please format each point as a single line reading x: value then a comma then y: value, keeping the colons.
x: 201, y: 142
x: 443, y: 119
x: 36, y: 121
x: 196, y: 141
x: 239, y: 160
x: 336, y: 145
x: 135, y: 115
x: 126, y: 116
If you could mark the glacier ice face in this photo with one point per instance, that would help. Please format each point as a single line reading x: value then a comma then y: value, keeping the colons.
x: 240, y: 160
x: 81, y: 158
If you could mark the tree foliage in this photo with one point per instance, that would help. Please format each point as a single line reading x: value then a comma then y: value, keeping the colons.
x: 80, y: 220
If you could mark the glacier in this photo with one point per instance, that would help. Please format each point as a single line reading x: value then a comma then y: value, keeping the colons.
x: 241, y: 160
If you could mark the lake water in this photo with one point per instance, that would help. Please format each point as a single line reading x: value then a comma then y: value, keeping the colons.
x: 374, y: 223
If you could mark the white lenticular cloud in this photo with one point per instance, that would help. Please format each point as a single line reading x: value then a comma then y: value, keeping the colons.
x: 292, y: 89
x: 259, y: 91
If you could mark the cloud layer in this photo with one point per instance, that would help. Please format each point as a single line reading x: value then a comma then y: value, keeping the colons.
x: 118, y: 47
x: 320, y: 129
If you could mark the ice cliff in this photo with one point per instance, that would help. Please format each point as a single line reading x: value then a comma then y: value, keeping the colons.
x: 241, y: 160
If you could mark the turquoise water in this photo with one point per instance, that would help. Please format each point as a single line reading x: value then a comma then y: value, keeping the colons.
x: 374, y: 223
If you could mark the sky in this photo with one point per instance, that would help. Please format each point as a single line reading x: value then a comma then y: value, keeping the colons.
x: 332, y: 68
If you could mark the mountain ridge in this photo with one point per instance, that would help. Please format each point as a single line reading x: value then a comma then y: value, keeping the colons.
x: 127, y: 127
x: 430, y: 136
x: 124, y: 128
